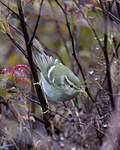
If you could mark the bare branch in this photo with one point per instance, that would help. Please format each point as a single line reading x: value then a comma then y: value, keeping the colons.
x: 35, y: 29
x: 17, y: 45
x: 42, y: 100
x: 74, y: 52
x: 105, y: 51
x: 9, y: 9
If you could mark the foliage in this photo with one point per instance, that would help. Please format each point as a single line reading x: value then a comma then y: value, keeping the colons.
x: 84, y: 35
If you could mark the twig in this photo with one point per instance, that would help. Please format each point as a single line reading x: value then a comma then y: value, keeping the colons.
x: 105, y: 51
x: 36, y: 25
x: 42, y: 100
x: 10, y: 9
x: 58, y: 28
x: 109, y: 13
x: 116, y: 49
x: 74, y: 52
x: 118, y: 9
x: 17, y: 45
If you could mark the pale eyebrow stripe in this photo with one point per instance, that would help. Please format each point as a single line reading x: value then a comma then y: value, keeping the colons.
x: 50, y: 70
x: 70, y: 82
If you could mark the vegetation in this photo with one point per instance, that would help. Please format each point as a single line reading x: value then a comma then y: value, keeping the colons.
x: 83, y: 35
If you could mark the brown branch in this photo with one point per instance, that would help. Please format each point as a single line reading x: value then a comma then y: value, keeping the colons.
x: 74, y: 52
x: 105, y: 51
x: 36, y: 25
x: 17, y: 45
x: 9, y: 9
x: 42, y: 100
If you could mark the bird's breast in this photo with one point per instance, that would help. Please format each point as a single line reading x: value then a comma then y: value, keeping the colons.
x: 51, y: 91
x: 56, y: 93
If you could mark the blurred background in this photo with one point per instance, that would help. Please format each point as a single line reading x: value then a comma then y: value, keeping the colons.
x: 93, y: 26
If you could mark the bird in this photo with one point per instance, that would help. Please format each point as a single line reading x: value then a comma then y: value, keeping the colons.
x: 58, y: 82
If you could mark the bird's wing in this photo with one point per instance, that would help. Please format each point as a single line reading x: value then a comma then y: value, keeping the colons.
x: 56, y: 74
x: 44, y: 62
x: 61, y: 75
x: 52, y: 69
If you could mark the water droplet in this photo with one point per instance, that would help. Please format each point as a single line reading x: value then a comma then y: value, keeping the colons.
x: 101, y: 39
x: 96, y: 78
x: 105, y: 125
x: 61, y: 138
x: 91, y: 72
x: 73, y: 148
x: 61, y: 142
x: 112, y: 36
x: 115, y: 61
x: 86, y: 145
x: 97, y: 48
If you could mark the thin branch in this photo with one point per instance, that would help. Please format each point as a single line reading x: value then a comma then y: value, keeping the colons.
x: 118, y: 9
x: 74, y: 52
x: 55, y: 112
x: 116, y: 49
x: 17, y: 45
x: 20, y: 48
x: 109, y: 13
x: 104, y: 48
x: 10, y: 9
x: 91, y: 26
x: 23, y: 24
x: 93, y: 30
x: 28, y: 27
x: 36, y: 25
x: 42, y: 100
x: 59, y: 30
x: 105, y: 51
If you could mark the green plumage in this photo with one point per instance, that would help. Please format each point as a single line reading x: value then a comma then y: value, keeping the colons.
x: 60, y: 72
x: 59, y: 83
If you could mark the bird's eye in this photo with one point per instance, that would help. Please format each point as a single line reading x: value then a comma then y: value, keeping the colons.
x: 71, y: 85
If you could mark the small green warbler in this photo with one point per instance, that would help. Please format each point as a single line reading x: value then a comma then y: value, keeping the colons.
x: 58, y: 82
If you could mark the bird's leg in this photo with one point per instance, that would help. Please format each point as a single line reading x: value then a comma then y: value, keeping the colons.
x: 37, y: 83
